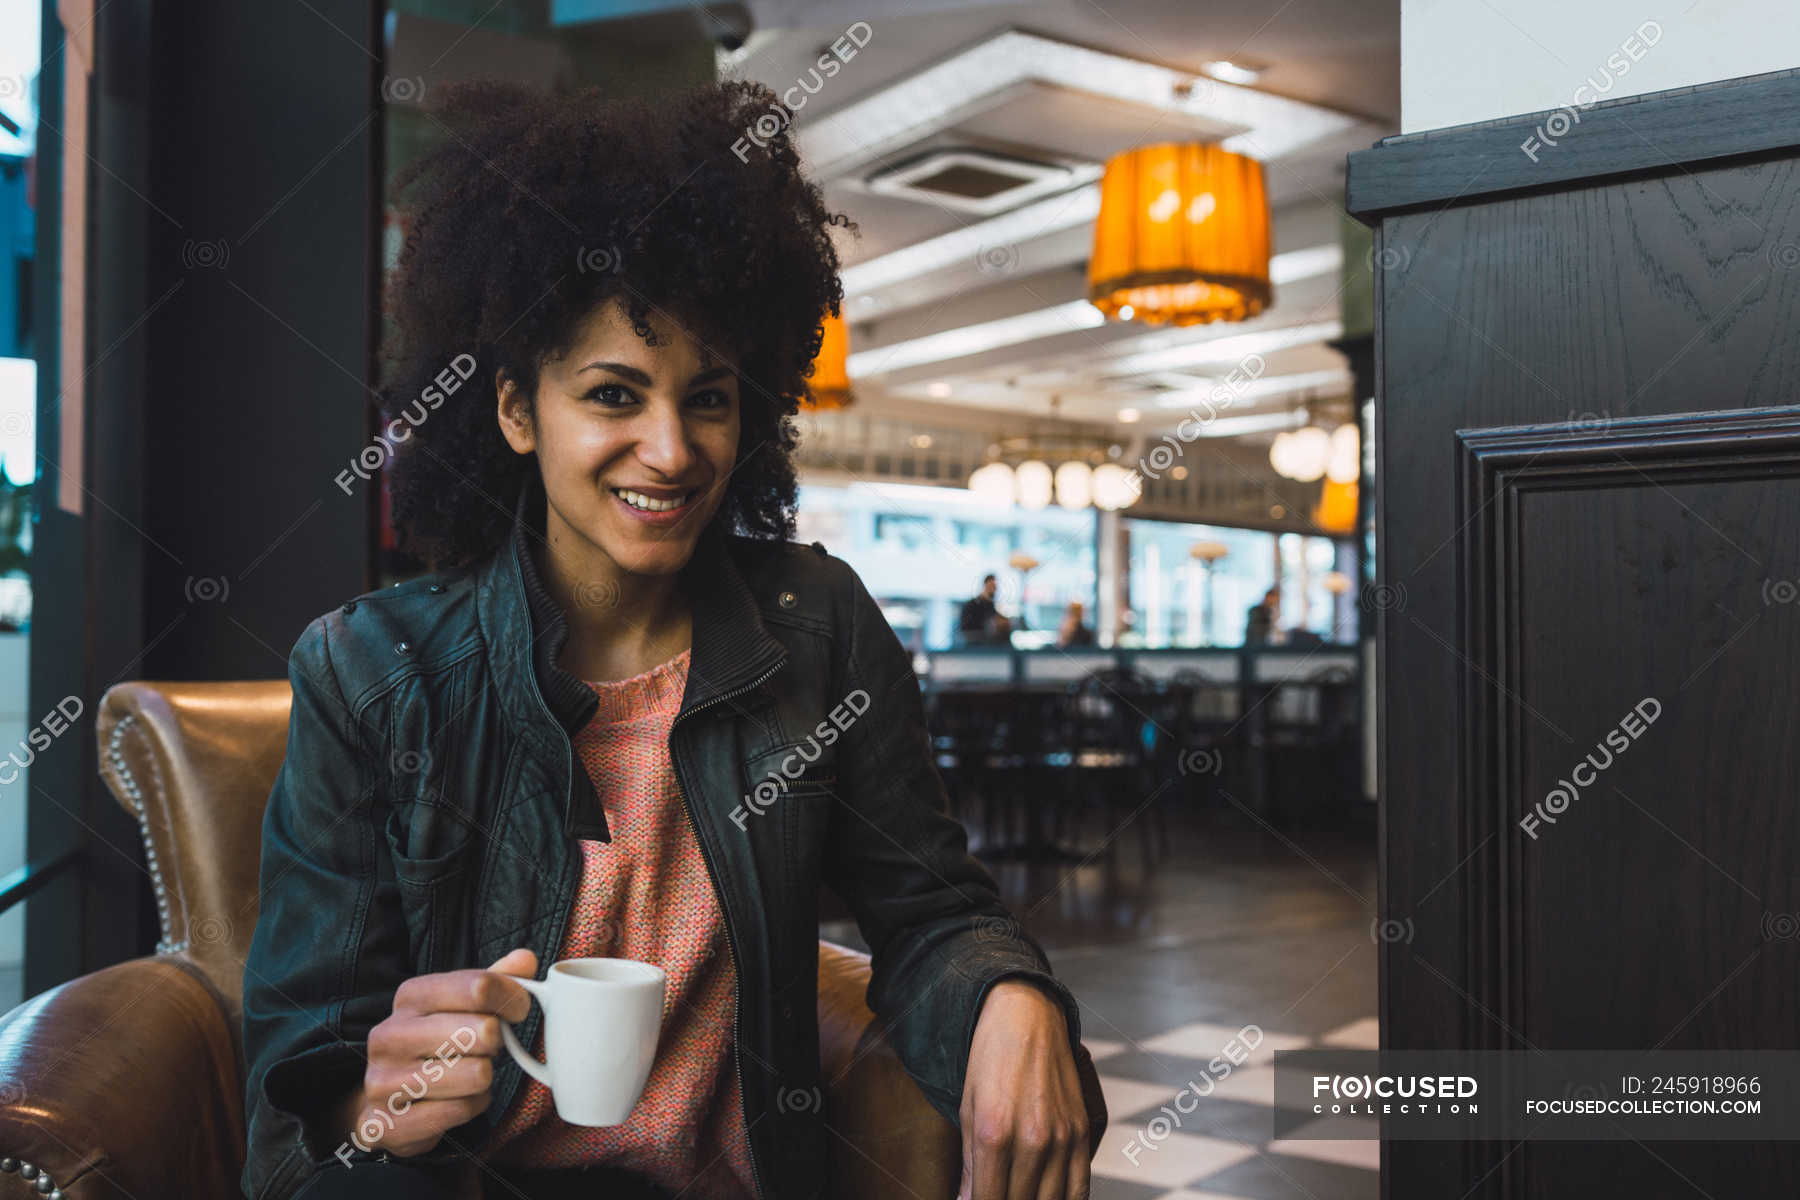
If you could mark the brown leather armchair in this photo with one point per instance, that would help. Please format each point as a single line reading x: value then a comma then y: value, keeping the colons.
x: 128, y: 1082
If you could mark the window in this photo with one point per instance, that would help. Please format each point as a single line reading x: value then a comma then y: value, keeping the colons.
x: 922, y: 551
x: 1177, y: 599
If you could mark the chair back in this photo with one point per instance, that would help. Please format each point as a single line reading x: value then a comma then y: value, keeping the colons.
x: 194, y: 763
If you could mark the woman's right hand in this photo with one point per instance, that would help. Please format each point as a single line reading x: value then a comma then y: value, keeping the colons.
x: 434, y: 1017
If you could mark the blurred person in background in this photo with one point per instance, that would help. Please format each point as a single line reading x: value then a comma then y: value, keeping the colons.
x: 1259, y: 626
x: 980, y: 623
x: 1073, y: 632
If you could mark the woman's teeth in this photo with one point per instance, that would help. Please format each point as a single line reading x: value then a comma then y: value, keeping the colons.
x: 639, y: 500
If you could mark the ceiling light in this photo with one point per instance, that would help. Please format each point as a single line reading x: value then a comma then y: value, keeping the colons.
x: 1302, y: 454
x: 1281, y: 454
x: 1128, y: 415
x: 1115, y: 487
x: 1345, y: 464
x: 993, y: 483
x: 1305, y: 263
x: 1229, y: 348
x: 975, y: 339
x: 1033, y: 484
x: 1074, y: 484
x: 938, y: 390
x: 829, y: 386
x: 1182, y: 237
x: 1336, y: 509
x: 1225, y: 70
x: 1221, y: 394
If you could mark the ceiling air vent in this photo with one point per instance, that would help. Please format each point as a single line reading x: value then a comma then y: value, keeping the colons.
x: 976, y: 181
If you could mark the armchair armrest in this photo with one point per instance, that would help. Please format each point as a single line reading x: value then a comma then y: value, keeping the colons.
x: 893, y: 1144
x: 121, y: 1083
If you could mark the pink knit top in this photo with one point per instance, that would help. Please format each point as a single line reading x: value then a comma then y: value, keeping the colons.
x: 647, y: 895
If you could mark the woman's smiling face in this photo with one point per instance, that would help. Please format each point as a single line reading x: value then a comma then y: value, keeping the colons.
x: 636, y: 443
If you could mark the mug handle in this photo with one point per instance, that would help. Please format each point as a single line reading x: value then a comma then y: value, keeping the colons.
x: 537, y: 1070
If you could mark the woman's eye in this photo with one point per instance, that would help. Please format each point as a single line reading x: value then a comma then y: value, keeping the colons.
x: 712, y: 398
x: 611, y: 395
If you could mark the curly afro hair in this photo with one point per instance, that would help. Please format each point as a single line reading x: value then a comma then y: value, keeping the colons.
x: 534, y: 209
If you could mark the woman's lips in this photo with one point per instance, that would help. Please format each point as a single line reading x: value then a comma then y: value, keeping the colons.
x: 665, y: 509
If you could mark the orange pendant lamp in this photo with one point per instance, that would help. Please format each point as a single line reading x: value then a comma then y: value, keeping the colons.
x: 1336, y: 510
x: 1183, y: 236
x: 830, y: 383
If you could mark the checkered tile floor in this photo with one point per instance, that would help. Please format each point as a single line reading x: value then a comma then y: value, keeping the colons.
x: 1223, y: 1150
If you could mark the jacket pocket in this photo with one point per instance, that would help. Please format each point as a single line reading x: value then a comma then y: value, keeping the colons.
x: 431, y: 854
x: 427, y: 842
x: 791, y: 799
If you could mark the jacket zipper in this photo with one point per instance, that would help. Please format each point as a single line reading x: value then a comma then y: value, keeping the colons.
x: 737, y: 1033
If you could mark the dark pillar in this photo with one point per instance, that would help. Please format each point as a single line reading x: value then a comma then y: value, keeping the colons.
x: 1590, y: 470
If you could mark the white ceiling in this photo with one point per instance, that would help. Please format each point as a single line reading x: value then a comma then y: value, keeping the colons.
x: 926, y: 282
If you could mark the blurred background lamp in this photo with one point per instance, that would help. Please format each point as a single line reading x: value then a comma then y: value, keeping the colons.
x: 1345, y: 464
x: 993, y: 483
x: 1114, y: 487
x: 830, y: 383
x: 1074, y: 484
x: 1032, y: 484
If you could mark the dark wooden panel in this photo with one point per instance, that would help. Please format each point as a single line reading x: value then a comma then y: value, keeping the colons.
x: 1579, y: 539
x: 1517, y: 602
x: 1557, y: 148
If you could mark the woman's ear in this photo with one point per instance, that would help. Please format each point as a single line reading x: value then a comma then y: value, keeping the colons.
x: 514, y: 413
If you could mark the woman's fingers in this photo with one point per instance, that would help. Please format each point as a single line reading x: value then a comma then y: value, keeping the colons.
x: 471, y: 990
x: 445, y: 1035
x: 516, y: 962
x: 414, y: 1127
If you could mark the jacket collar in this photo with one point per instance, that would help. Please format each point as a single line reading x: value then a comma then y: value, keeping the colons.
x: 526, y: 631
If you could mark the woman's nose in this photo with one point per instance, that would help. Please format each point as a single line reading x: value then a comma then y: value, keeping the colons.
x: 663, y: 441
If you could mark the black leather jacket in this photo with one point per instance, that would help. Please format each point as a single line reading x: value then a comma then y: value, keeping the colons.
x: 425, y: 819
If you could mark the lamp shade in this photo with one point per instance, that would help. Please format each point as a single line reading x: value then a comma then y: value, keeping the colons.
x: 1345, y: 465
x: 830, y: 383
x: 1033, y: 484
x: 1303, y: 455
x: 1182, y: 237
x: 1115, y: 487
x: 1074, y: 484
x: 1336, y: 511
x: 993, y: 483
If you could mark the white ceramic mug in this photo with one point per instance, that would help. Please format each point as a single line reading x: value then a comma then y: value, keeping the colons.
x: 602, y: 1020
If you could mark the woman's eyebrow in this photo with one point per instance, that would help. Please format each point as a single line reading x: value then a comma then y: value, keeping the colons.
x: 632, y: 373
x: 643, y: 380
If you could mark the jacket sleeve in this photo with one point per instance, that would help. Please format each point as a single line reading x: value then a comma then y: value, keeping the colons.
x: 938, y: 935
x: 330, y: 944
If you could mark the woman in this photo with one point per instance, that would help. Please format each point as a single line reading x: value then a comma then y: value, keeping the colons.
x: 622, y: 716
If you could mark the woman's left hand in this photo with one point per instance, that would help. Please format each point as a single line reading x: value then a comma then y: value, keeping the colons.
x: 1024, y: 1123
